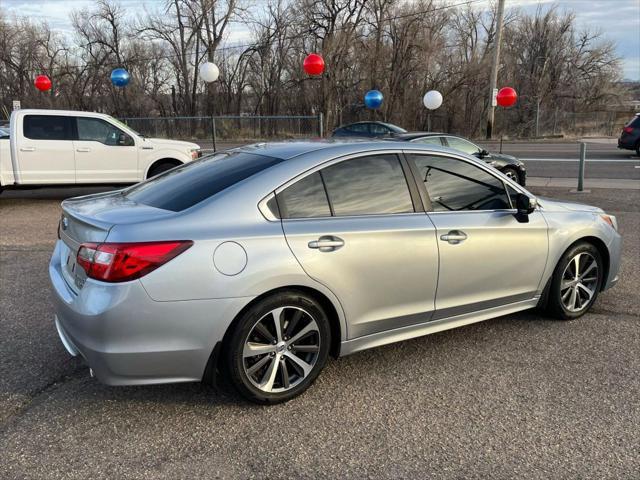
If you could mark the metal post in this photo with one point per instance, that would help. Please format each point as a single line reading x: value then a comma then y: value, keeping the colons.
x: 213, y: 132
x: 429, y: 122
x: 500, y: 143
x: 537, y: 116
x: 320, y: 125
x: 583, y: 154
x: 493, y: 79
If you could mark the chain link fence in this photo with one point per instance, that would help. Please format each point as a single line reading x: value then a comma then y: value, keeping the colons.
x: 228, y: 130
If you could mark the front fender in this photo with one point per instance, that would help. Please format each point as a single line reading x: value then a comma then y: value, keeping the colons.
x: 566, y: 228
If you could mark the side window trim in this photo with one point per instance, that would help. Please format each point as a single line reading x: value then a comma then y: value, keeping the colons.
x: 427, y: 198
x: 418, y: 206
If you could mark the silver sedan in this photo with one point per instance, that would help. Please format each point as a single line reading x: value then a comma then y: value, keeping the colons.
x: 261, y: 262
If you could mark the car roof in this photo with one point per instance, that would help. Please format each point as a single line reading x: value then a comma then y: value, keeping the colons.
x: 333, y: 147
x: 413, y: 135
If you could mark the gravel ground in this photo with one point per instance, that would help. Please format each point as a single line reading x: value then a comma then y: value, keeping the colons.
x: 514, y: 397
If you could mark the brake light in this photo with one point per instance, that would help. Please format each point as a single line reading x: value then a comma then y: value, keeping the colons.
x: 121, y: 262
x: 627, y: 129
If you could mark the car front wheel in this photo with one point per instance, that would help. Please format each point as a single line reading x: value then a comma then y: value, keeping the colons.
x: 512, y: 173
x: 278, y: 347
x: 576, y: 282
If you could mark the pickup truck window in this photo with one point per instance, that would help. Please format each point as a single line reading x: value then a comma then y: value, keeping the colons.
x: 98, y: 130
x: 47, y: 127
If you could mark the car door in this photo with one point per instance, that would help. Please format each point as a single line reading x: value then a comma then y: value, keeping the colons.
x: 104, y: 153
x: 487, y: 257
x: 356, y: 227
x: 45, y: 150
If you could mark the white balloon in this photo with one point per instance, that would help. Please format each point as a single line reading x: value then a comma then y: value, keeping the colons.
x: 209, y: 72
x: 432, y: 99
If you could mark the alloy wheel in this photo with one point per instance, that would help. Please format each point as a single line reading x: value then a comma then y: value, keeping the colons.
x: 579, y: 282
x: 281, y: 349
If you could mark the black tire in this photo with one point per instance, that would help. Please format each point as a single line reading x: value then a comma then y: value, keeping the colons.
x: 161, y: 168
x: 512, y: 173
x: 555, y: 305
x: 235, y: 362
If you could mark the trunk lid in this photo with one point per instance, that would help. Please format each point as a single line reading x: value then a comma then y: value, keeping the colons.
x: 89, y: 219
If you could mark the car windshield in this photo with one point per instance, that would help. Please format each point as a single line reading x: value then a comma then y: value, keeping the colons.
x: 189, y: 184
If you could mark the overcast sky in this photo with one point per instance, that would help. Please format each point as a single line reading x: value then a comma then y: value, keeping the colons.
x: 619, y: 20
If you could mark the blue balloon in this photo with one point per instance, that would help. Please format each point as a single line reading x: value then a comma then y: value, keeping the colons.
x: 120, y: 77
x: 373, y: 99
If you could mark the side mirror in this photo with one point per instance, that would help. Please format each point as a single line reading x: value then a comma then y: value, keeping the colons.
x: 483, y: 153
x: 125, y: 140
x: 525, y: 205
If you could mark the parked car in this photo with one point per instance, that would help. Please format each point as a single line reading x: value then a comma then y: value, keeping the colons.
x: 630, y: 136
x: 367, y: 129
x: 507, y: 164
x: 48, y: 147
x: 262, y: 261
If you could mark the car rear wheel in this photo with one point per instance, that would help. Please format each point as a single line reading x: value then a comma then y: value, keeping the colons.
x: 512, y: 173
x: 576, y: 282
x: 278, y: 347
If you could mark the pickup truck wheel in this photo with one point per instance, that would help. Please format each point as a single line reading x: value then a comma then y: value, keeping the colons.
x: 162, y: 167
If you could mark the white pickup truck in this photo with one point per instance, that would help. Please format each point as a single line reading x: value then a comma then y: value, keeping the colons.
x: 54, y: 147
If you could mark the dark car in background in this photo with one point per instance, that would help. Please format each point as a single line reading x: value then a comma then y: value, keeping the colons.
x: 368, y: 130
x: 507, y: 164
x: 630, y: 136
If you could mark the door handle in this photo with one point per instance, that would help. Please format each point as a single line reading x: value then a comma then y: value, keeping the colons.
x: 454, y: 237
x: 327, y: 243
x: 83, y: 149
x: 27, y: 149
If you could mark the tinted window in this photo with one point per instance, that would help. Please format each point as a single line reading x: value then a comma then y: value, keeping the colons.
x: 185, y: 186
x: 47, y: 127
x: 304, y: 199
x: 634, y: 122
x: 378, y: 129
x: 368, y: 185
x: 359, y: 128
x: 462, y: 145
x: 456, y: 185
x: 429, y: 140
x: 97, y: 130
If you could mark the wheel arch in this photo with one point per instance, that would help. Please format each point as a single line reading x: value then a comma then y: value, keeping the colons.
x: 159, y: 161
x: 212, y: 369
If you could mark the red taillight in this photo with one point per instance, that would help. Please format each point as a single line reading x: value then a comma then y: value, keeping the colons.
x: 627, y: 129
x: 120, y: 262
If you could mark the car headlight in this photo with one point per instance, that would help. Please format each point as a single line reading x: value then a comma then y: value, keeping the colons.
x: 611, y: 220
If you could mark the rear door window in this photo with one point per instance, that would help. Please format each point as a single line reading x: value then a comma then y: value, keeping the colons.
x: 189, y: 184
x: 47, y: 127
x: 368, y: 185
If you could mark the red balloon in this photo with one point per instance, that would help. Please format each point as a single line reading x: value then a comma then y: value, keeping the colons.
x: 313, y: 64
x: 507, y: 97
x: 42, y: 83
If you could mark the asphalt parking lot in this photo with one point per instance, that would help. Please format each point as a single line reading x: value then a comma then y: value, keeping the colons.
x: 514, y: 397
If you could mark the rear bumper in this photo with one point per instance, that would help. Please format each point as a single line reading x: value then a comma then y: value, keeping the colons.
x: 129, y: 339
x: 627, y: 143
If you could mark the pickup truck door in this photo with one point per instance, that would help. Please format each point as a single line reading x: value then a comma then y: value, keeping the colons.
x: 104, y: 153
x: 44, y: 149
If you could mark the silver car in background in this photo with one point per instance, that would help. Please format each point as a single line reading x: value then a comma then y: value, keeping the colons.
x: 260, y: 262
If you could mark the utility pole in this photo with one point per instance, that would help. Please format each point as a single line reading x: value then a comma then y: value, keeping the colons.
x: 493, y: 79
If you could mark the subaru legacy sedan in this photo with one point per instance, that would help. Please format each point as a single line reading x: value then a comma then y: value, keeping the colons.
x: 261, y: 262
